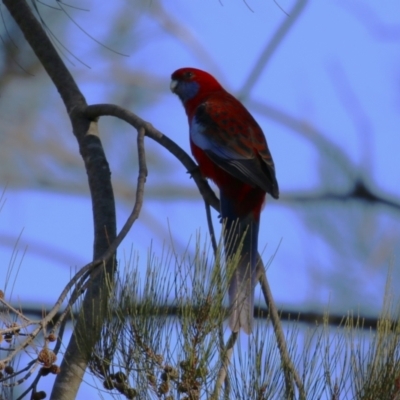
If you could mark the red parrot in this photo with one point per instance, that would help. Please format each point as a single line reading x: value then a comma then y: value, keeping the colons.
x: 231, y: 149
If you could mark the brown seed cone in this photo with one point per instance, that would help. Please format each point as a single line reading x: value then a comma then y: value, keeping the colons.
x: 47, y: 357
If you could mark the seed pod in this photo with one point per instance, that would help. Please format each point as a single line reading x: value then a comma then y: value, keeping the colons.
x: 55, y: 369
x: 163, y: 388
x: 52, y: 337
x: 8, y: 337
x: 9, y: 370
x: 44, y: 371
x: 15, y: 325
x: 108, y: 384
x: 47, y: 357
x: 120, y: 377
x: 39, y: 395
x: 130, y: 393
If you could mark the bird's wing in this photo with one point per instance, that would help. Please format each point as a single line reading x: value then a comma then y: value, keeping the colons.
x: 231, y: 138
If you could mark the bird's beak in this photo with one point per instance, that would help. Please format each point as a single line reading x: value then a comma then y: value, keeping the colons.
x: 173, y: 85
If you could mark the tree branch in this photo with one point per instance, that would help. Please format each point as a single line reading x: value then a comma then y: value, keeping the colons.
x: 81, y: 276
x: 289, y: 369
x: 96, y: 110
x: 88, y: 327
x: 46, y: 53
x: 360, y: 192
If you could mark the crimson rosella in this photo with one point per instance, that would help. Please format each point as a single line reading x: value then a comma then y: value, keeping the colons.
x: 230, y: 149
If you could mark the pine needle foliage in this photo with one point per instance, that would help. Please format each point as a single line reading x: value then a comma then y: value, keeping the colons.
x: 162, y: 333
x: 165, y: 337
x: 162, y: 341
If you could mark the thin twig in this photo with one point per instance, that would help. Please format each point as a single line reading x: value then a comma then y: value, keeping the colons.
x: 220, y: 327
x: 271, y: 47
x: 18, y: 373
x: 15, y: 311
x: 48, y: 56
x: 59, y: 327
x: 360, y: 191
x: 211, y: 228
x: 226, y: 358
x: 289, y: 369
x: 33, y: 385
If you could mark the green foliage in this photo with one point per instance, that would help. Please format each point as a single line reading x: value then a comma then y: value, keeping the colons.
x: 163, y: 340
x: 162, y: 328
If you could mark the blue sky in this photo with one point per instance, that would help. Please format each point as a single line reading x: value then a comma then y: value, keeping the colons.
x: 336, y: 71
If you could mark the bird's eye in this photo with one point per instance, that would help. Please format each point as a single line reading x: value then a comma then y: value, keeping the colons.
x: 189, y: 75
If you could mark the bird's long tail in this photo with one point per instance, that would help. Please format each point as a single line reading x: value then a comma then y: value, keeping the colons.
x: 240, y: 232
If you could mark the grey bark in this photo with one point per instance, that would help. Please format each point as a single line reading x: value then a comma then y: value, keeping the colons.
x: 88, y: 325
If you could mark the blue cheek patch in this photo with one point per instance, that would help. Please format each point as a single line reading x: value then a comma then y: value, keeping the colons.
x: 187, y: 90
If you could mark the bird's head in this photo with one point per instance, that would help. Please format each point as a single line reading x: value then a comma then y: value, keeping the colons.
x: 189, y: 82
